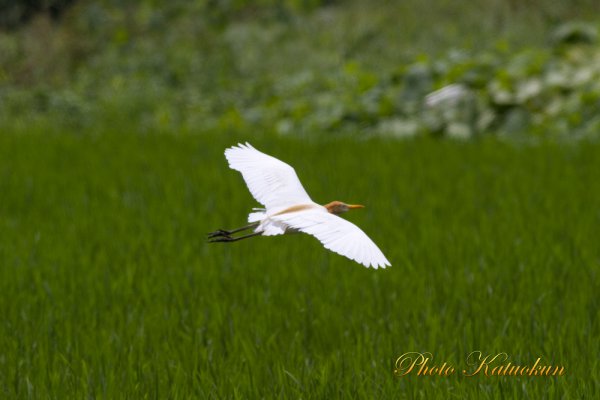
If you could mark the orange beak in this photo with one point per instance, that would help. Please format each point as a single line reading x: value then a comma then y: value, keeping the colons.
x: 353, y: 206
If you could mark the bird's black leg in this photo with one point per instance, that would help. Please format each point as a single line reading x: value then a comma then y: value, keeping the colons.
x: 225, y: 233
x: 227, y: 238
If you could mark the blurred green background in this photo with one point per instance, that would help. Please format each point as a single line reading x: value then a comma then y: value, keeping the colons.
x: 302, y: 67
x: 469, y: 129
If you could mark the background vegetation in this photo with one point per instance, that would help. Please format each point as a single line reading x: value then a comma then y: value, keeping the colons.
x: 304, y: 68
x: 113, y: 120
x: 110, y: 291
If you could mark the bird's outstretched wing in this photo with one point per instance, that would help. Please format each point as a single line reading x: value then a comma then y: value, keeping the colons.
x: 273, y: 183
x: 336, y: 234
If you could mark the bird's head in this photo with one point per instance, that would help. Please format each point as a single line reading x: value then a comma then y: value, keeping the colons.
x: 337, y: 207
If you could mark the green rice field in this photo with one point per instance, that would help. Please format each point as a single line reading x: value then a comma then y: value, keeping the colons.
x: 109, y: 290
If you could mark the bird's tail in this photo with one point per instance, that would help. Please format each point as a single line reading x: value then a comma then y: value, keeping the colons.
x: 267, y: 226
x: 257, y: 215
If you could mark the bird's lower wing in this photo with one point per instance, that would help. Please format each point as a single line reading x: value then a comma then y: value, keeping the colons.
x: 272, y: 182
x: 336, y: 234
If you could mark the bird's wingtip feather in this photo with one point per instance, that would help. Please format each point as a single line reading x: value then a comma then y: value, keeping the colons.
x: 239, y: 146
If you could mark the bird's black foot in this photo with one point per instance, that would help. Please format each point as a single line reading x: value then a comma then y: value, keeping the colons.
x: 223, y: 239
x: 227, y: 238
x: 219, y: 233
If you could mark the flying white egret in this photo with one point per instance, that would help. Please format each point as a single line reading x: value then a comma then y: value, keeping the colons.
x: 288, y: 208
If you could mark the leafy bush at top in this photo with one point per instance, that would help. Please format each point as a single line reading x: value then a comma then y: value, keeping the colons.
x: 334, y: 71
x: 14, y: 13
